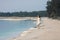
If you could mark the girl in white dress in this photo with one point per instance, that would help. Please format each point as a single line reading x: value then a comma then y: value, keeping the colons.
x: 38, y: 22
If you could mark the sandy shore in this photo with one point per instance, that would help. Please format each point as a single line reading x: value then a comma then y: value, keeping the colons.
x: 49, y: 30
x: 18, y: 18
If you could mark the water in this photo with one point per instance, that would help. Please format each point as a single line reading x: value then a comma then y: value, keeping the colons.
x: 9, y: 29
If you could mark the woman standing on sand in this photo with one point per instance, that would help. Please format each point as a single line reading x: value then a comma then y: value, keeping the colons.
x: 38, y: 22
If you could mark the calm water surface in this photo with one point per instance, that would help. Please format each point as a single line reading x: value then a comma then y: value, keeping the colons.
x: 10, y: 29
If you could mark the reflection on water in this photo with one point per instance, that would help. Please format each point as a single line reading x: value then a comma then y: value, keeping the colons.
x: 13, y: 28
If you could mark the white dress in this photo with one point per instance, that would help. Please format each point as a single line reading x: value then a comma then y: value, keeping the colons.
x: 38, y: 21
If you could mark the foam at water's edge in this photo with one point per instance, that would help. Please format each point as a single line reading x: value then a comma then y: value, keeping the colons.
x: 26, y: 32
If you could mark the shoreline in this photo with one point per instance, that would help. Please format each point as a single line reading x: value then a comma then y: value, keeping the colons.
x: 24, y: 33
x: 18, y: 18
x: 50, y: 31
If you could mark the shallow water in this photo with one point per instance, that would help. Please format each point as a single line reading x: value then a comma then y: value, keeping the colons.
x: 10, y: 29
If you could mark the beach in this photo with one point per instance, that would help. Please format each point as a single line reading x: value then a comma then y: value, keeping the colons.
x: 49, y: 30
x: 18, y: 18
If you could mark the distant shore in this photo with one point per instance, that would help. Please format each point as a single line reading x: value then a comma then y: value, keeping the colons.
x: 18, y: 18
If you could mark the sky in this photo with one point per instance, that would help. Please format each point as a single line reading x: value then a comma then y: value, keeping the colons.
x: 22, y: 5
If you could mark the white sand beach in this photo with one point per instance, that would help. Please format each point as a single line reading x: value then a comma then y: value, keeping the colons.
x: 49, y: 30
x: 18, y: 18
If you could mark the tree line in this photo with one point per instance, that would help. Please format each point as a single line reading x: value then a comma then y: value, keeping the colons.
x: 53, y: 8
x: 23, y: 14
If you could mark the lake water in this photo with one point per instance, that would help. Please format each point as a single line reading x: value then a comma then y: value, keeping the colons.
x: 9, y: 29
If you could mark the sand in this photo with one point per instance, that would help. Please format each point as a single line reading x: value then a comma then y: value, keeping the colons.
x: 18, y: 18
x: 49, y: 30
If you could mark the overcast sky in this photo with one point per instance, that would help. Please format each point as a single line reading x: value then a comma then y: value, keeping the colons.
x: 22, y: 5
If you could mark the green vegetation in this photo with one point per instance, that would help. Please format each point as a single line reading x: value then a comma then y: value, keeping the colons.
x: 53, y: 8
x: 24, y: 14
